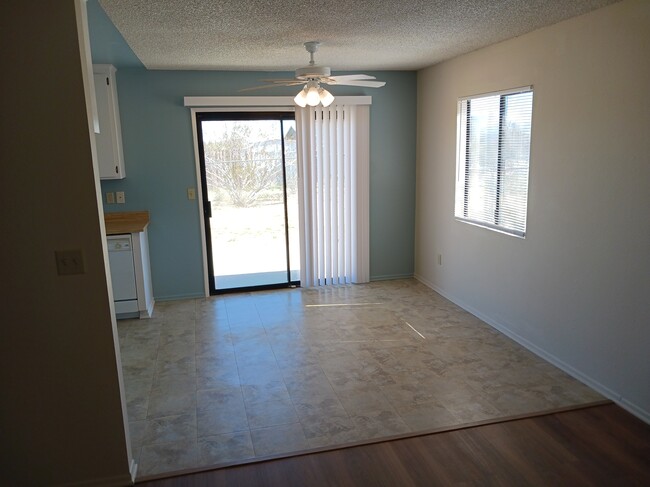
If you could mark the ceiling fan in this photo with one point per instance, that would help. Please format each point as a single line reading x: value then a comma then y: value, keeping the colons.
x: 312, y: 76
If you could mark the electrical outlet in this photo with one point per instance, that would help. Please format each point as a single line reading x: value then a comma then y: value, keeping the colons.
x: 110, y: 198
x: 120, y: 197
x: 69, y: 262
x: 191, y: 193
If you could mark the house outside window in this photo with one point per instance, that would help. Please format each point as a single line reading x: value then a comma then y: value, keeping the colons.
x: 494, y: 133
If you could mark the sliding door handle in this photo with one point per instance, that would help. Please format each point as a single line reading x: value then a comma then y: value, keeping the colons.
x: 207, y: 209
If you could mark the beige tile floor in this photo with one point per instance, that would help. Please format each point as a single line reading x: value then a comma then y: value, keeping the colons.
x: 242, y: 376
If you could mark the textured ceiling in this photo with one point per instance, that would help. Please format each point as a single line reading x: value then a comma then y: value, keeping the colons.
x: 356, y: 34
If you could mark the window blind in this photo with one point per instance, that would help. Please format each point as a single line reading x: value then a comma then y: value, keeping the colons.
x: 493, y: 160
x: 333, y: 159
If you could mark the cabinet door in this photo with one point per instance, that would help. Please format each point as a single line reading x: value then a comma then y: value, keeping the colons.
x: 109, y: 138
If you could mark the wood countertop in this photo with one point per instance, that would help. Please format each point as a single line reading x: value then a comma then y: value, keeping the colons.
x: 126, y: 222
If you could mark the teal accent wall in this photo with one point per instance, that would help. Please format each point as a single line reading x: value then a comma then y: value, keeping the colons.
x: 160, y: 166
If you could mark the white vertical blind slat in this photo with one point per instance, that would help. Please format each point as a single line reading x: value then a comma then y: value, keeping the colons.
x: 362, y: 232
x: 313, y: 194
x: 320, y: 197
x: 304, y: 182
x: 325, y: 187
x: 353, y: 203
x: 348, y: 197
x: 329, y: 234
x: 334, y: 234
x: 340, y: 196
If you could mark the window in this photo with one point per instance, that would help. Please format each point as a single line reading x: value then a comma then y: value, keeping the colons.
x: 493, y: 159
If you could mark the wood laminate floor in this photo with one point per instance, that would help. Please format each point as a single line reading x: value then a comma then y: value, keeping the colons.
x: 595, y: 446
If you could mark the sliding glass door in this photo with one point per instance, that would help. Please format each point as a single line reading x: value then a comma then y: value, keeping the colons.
x: 250, y: 199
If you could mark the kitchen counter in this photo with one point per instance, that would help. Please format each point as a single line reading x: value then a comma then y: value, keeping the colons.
x: 126, y: 222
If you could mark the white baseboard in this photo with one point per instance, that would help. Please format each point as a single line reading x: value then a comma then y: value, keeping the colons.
x: 549, y: 357
x: 134, y: 470
x: 389, y: 277
x: 176, y: 297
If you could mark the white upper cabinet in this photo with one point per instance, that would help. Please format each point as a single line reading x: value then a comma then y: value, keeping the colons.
x: 109, y: 138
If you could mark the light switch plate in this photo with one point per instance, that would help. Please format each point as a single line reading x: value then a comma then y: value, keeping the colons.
x: 69, y: 262
x: 110, y: 198
x: 191, y: 193
x: 120, y: 197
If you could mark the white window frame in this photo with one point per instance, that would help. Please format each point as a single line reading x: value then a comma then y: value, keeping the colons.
x: 461, y: 176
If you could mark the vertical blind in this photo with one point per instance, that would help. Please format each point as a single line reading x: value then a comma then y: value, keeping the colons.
x: 493, y: 160
x: 333, y: 160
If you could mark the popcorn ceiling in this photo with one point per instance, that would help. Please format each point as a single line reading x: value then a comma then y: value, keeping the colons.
x: 267, y: 35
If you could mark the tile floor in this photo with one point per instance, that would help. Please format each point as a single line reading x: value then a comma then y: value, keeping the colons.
x: 242, y: 376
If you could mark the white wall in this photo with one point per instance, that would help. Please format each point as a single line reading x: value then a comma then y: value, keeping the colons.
x: 61, y: 419
x: 577, y: 289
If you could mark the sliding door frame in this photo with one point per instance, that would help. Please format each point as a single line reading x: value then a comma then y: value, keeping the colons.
x: 198, y: 104
x: 206, y: 213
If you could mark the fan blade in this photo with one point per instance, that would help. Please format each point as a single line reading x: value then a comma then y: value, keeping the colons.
x: 367, y: 84
x: 276, y: 83
x: 351, y: 77
x: 260, y: 87
x: 290, y: 80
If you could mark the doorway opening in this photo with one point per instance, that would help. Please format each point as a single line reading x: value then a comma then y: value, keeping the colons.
x: 249, y: 175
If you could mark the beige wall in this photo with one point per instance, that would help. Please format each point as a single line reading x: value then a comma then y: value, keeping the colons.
x: 577, y: 289
x: 60, y: 413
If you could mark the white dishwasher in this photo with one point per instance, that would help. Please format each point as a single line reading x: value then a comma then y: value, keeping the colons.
x: 120, y: 257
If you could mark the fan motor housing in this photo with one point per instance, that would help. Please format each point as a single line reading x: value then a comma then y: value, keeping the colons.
x: 309, y: 72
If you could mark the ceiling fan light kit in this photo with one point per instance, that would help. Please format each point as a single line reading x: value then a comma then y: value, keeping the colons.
x: 312, y: 93
x: 326, y: 98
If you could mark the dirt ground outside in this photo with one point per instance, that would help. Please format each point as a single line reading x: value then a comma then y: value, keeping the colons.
x: 252, y: 240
